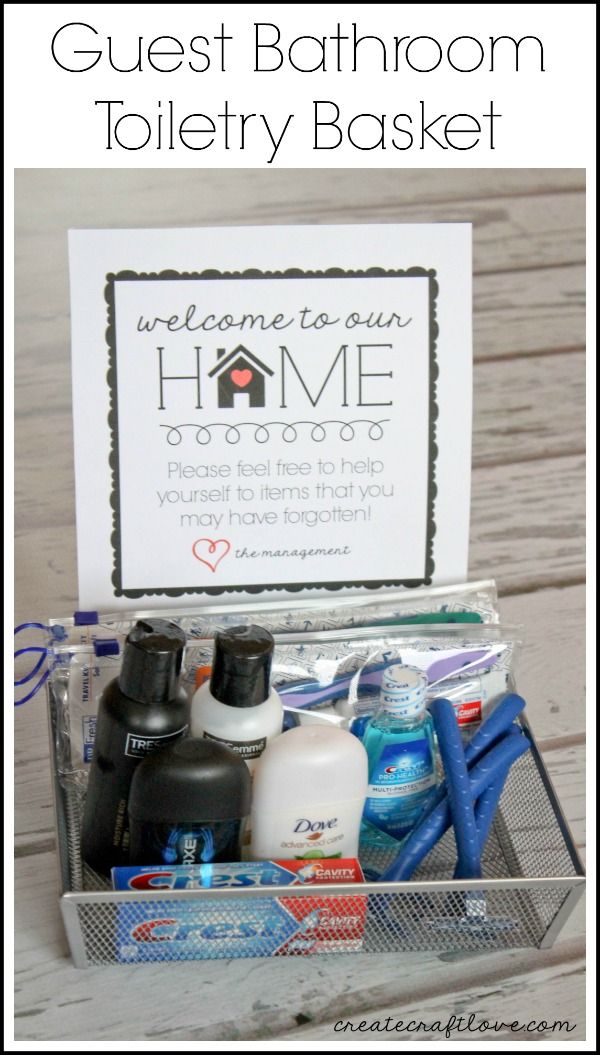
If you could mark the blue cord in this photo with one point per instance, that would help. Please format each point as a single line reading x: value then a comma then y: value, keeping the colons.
x: 34, y: 670
x: 33, y: 692
x: 43, y: 653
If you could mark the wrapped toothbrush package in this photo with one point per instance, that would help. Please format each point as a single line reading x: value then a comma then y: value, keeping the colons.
x: 410, y: 697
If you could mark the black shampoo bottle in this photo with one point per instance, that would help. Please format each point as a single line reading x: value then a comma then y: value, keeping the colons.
x: 140, y: 712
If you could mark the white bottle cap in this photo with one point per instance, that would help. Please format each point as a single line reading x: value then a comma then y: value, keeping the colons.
x: 310, y: 764
x: 403, y: 690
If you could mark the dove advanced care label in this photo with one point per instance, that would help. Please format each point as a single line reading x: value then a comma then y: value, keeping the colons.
x: 309, y: 791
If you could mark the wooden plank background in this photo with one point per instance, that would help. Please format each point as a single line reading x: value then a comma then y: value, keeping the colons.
x: 527, y: 530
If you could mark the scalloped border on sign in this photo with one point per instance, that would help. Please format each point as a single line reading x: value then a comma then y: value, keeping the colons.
x: 253, y: 273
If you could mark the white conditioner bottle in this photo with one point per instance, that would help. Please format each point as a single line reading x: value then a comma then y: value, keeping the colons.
x: 237, y: 707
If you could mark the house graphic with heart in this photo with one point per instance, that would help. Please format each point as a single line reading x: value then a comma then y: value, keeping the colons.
x: 240, y: 373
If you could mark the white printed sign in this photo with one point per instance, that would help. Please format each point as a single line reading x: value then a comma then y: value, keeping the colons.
x: 262, y: 409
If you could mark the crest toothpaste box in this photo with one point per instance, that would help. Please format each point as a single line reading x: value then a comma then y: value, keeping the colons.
x: 468, y: 712
x: 242, y: 874
x: 155, y: 930
x: 190, y: 930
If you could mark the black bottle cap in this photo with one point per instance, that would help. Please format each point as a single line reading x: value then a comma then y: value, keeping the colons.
x: 242, y: 666
x: 191, y: 781
x: 152, y: 661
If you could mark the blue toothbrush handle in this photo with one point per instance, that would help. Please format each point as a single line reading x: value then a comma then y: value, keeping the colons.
x: 486, y: 807
x: 487, y: 803
x: 420, y: 841
x: 459, y: 789
x: 500, y: 719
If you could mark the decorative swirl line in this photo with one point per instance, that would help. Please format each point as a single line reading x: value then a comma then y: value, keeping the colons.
x: 289, y: 430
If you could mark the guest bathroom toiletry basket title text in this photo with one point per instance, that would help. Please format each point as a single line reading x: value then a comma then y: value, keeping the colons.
x: 387, y: 69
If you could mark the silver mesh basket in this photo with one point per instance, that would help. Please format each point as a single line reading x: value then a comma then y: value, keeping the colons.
x: 532, y: 879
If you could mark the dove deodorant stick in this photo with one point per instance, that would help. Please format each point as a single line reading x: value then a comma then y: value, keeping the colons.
x: 309, y: 792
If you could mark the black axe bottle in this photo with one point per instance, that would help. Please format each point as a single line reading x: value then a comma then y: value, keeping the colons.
x: 140, y: 711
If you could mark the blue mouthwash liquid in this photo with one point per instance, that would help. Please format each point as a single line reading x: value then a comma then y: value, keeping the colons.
x: 399, y: 743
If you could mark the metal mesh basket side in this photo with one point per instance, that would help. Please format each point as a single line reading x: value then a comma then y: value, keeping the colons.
x: 67, y: 803
x: 141, y: 930
x: 529, y: 841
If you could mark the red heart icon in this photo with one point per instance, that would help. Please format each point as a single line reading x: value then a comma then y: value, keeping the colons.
x: 241, y: 378
x: 208, y: 547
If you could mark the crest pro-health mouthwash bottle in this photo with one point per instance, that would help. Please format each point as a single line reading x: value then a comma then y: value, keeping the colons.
x: 400, y: 746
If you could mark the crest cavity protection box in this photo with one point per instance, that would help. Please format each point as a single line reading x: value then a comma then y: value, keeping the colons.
x: 260, y: 926
x: 237, y: 874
